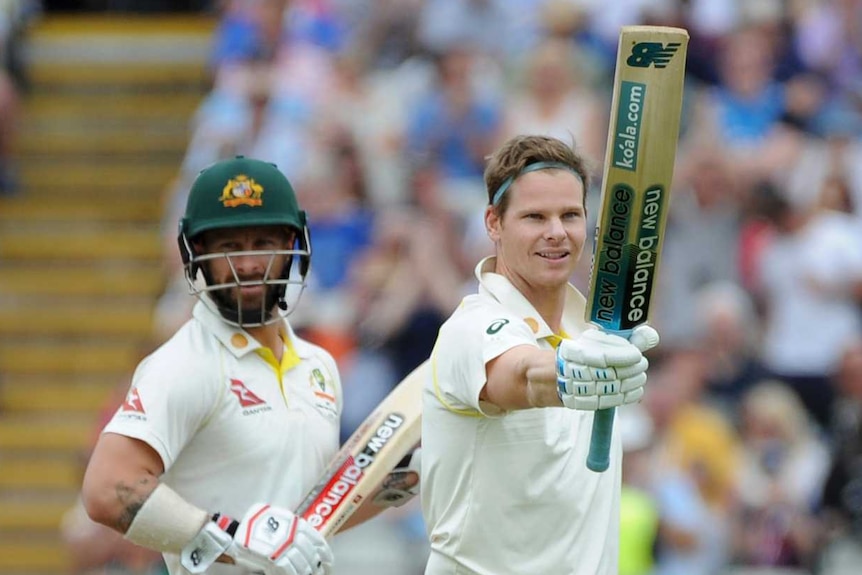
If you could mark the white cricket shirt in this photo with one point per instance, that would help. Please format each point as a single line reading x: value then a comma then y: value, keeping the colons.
x: 230, y: 429
x: 509, y: 493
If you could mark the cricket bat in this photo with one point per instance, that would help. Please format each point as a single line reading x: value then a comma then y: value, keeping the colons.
x: 638, y: 169
x: 356, y: 472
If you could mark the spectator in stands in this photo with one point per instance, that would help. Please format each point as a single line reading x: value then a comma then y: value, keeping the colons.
x: 809, y: 280
x: 555, y: 97
x: 413, y: 275
x: 454, y: 125
x: 704, y: 218
x: 639, y: 514
x: 695, y: 461
x: 727, y: 328
x: 841, y: 513
x: 341, y: 221
x: 14, y: 15
x: 743, y: 113
x: 784, y: 467
x: 247, y: 31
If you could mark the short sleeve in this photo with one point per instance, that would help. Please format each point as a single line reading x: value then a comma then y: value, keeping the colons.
x: 466, y: 343
x: 166, y: 404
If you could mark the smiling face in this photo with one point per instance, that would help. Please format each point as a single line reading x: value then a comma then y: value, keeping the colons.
x: 541, y: 233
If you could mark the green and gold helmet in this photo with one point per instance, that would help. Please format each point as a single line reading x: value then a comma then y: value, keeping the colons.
x: 236, y: 193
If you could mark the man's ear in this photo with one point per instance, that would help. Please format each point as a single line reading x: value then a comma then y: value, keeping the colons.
x: 493, y: 222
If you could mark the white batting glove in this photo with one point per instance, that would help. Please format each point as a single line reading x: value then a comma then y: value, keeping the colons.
x: 269, y: 540
x: 402, y: 483
x: 600, y: 370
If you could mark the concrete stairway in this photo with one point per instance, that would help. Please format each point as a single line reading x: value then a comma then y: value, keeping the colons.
x: 102, y: 134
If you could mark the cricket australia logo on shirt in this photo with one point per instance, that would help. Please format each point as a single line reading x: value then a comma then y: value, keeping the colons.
x: 324, y: 399
x: 133, y: 407
x: 249, y: 402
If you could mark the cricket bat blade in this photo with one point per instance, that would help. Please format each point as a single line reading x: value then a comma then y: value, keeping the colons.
x: 389, y: 433
x: 638, y: 171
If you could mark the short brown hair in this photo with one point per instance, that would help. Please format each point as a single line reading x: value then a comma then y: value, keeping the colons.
x: 519, y: 152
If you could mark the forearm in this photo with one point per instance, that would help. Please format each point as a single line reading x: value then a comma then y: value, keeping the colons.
x: 121, y: 490
x: 113, y: 494
x: 541, y: 384
x: 522, y: 378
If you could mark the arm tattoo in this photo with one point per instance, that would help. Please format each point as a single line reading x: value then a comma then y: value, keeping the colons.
x: 132, y: 498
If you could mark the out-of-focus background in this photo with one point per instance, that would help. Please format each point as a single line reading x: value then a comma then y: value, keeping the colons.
x: 746, y: 455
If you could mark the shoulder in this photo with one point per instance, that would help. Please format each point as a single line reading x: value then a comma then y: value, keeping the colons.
x: 311, y: 350
x: 188, y: 355
x: 482, y: 320
x: 476, y: 311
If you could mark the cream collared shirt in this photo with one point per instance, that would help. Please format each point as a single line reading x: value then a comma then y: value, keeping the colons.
x: 509, y: 493
x: 232, y: 426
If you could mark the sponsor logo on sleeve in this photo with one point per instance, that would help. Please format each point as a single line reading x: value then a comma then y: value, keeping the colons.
x: 133, y: 407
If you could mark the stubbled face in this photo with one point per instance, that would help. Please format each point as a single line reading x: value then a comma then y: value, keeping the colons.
x: 541, y: 235
x: 257, y: 267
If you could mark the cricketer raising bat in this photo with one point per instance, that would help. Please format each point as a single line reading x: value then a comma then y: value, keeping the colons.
x: 638, y: 169
x: 356, y: 472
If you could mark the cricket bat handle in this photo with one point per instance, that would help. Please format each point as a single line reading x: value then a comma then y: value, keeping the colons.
x: 598, y: 458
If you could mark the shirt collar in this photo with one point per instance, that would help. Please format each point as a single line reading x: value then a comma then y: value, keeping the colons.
x: 501, y: 289
x: 236, y: 339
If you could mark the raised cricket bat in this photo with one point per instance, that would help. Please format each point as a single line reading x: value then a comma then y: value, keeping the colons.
x: 638, y: 170
x: 356, y: 472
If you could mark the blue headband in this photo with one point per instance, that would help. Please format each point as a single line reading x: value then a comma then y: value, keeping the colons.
x: 531, y: 168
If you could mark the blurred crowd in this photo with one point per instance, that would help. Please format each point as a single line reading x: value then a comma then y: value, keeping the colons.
x: 746, y: 455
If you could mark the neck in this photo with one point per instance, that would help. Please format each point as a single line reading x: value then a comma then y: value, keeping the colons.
x: 550, y: 305
x: 269, y: 336
x: 548, y: 301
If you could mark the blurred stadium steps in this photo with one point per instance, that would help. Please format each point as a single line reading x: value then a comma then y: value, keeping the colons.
x: 102, y: 134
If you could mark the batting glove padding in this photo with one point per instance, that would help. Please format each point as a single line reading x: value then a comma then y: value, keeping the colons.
x: 269, y: 540
x: 600, y: 370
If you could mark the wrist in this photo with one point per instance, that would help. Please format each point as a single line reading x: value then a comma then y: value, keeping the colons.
x: 166, y: 522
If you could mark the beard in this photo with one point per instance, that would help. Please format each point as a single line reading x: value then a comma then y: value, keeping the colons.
x: 229, y: 306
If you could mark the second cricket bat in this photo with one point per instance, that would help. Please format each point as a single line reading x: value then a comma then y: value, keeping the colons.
x: 356, y: 472
x: 638, y: 170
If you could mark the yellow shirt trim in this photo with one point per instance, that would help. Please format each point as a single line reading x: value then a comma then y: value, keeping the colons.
x: 289, y: 360
x: 439, y: 394
x: 555, y: 339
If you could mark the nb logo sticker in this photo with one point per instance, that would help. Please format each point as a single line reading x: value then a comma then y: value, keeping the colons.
x: 645, y: 53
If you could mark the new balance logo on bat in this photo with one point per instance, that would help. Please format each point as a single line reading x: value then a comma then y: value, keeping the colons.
x: 645, y: 53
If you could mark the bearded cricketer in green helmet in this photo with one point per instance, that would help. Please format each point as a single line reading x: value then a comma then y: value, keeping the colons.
x: 229, y: 423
